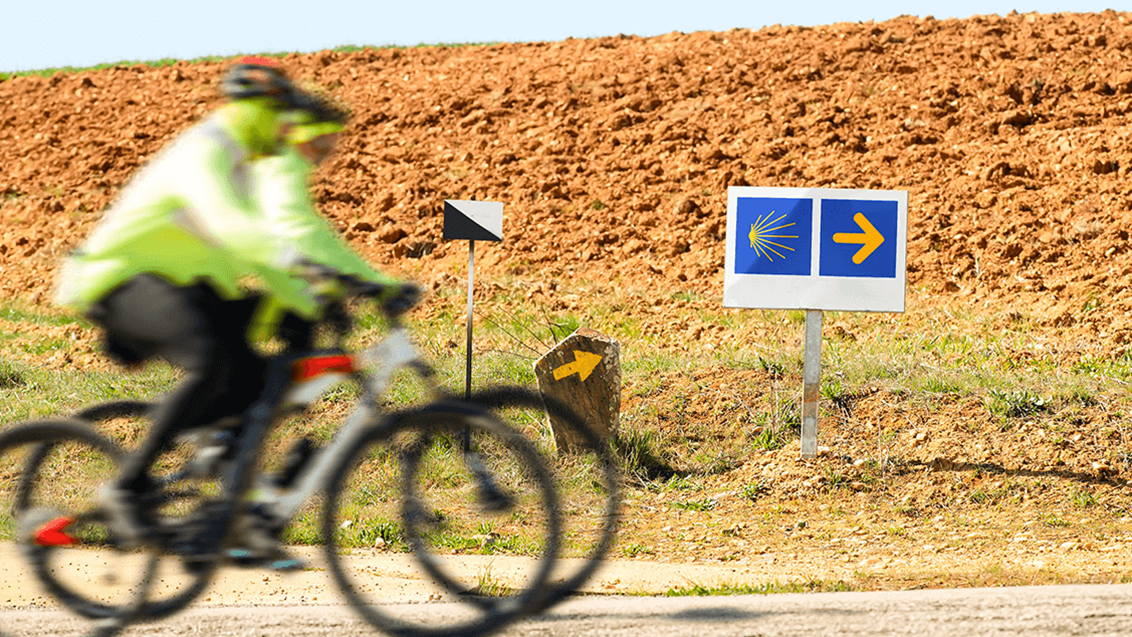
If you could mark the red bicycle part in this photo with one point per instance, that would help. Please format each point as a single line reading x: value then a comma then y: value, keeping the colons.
x: 54, y: 533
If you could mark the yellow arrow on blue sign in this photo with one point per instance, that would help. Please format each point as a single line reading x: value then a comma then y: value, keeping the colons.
x: 870, y: 239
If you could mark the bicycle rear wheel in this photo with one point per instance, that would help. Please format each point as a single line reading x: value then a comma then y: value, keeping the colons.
x: 87, y: 576
x: 181, y: 497
x: 587, y: 474
x: 58, y: 524
x: 408, y: 487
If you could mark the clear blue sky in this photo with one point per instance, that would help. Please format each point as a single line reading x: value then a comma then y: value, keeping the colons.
x: 38, y: 34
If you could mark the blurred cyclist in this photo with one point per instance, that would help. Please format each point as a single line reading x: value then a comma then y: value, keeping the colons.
x: 161, y: 271
x: 281, y: 185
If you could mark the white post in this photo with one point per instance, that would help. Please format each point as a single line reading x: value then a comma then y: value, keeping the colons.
x: 471, y: 277
x: 811, y: 383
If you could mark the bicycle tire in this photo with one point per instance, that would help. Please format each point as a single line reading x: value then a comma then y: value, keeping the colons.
x: 501, y: 399
x: 70, y: 495
x: 193, y: 582
x: 115, y: 409
x: 401, y: 441
x: 197, y: 578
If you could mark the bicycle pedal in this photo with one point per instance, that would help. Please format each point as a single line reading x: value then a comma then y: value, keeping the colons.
x: 278, y: 561
x: 195, y: 562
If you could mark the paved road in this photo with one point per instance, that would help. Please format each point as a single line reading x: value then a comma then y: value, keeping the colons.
x: 1030, y: 611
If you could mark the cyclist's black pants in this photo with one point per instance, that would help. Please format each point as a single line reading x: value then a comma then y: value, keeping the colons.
x: 193, y: 328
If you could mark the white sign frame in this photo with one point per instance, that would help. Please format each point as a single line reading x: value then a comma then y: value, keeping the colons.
x: 814, y: 291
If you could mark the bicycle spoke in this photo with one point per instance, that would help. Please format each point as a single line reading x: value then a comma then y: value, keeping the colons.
x: 58, y: 550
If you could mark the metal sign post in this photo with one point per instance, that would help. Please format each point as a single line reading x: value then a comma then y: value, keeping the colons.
x: 811, y: 383
x: 472, y: 220
x: 471, y: 285
x: 815, y: 249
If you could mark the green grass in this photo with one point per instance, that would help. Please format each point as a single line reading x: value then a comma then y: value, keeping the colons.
x: 36, y: 317
x: 768, y: 439
x: 370, y: 532
x: 957, y: 357
x: 753, y: 491
x: 159, y: 63
x: 642, y: 457
x: 167, y: 62
x: 28, y: 392
x: 631, y: 550
x: 1082, y: 498
x: 490, y: 586
x: 770, y: 588
x: 706, y: 504
x: 1055, y: 521
x: 1016, y: 403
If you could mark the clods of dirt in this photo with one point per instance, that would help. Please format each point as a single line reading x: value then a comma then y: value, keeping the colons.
x: 612, y: 155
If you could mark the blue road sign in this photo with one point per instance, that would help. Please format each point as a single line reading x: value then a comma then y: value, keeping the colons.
x: 774, y: 236
x: 858, y: 238
x: 816, y: 249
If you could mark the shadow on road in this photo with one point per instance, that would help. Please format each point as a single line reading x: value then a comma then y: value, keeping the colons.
x: 711, y: 615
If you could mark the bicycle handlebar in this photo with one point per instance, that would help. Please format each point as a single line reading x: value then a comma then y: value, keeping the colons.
x: 394, y: 299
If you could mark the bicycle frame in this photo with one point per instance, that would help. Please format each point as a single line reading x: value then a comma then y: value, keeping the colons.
x: 325, y: 371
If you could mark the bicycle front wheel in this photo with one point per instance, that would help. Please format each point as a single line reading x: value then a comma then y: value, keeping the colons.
x: 486, y: 530
x: 587, y: 475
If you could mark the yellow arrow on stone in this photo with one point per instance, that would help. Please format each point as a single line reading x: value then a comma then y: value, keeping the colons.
x: 583, y: 365
x: 870, y: 238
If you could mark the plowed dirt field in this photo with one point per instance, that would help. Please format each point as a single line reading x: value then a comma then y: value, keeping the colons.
x: 613, y: 156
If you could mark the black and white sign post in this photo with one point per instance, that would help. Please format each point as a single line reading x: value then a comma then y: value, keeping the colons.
x: 472, y: 221
x: 815, y: 249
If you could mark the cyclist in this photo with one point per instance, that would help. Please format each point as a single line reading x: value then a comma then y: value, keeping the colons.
x: 281, y: 186
x: 160, y: 274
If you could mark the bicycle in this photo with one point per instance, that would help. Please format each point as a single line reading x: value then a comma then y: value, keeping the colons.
x: 214, y: 492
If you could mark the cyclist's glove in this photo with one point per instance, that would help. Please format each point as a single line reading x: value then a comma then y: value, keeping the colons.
x: 398, y: 299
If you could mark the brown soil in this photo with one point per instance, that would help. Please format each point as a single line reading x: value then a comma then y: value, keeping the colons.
x: 613, y: 155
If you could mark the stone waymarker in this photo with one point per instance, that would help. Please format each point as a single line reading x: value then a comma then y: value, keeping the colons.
x: 583, y: 371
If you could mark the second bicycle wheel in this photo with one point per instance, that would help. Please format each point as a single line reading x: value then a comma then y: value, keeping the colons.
x: 487, y: 532
x: 177, y: 583
x: 586, y: 473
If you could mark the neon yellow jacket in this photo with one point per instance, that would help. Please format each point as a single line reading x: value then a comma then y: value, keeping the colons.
x: 191, y: 214
x: 282, y: 188
x: 281, y: 185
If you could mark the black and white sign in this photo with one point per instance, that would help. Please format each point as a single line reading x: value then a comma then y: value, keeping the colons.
x: 473, y: 220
